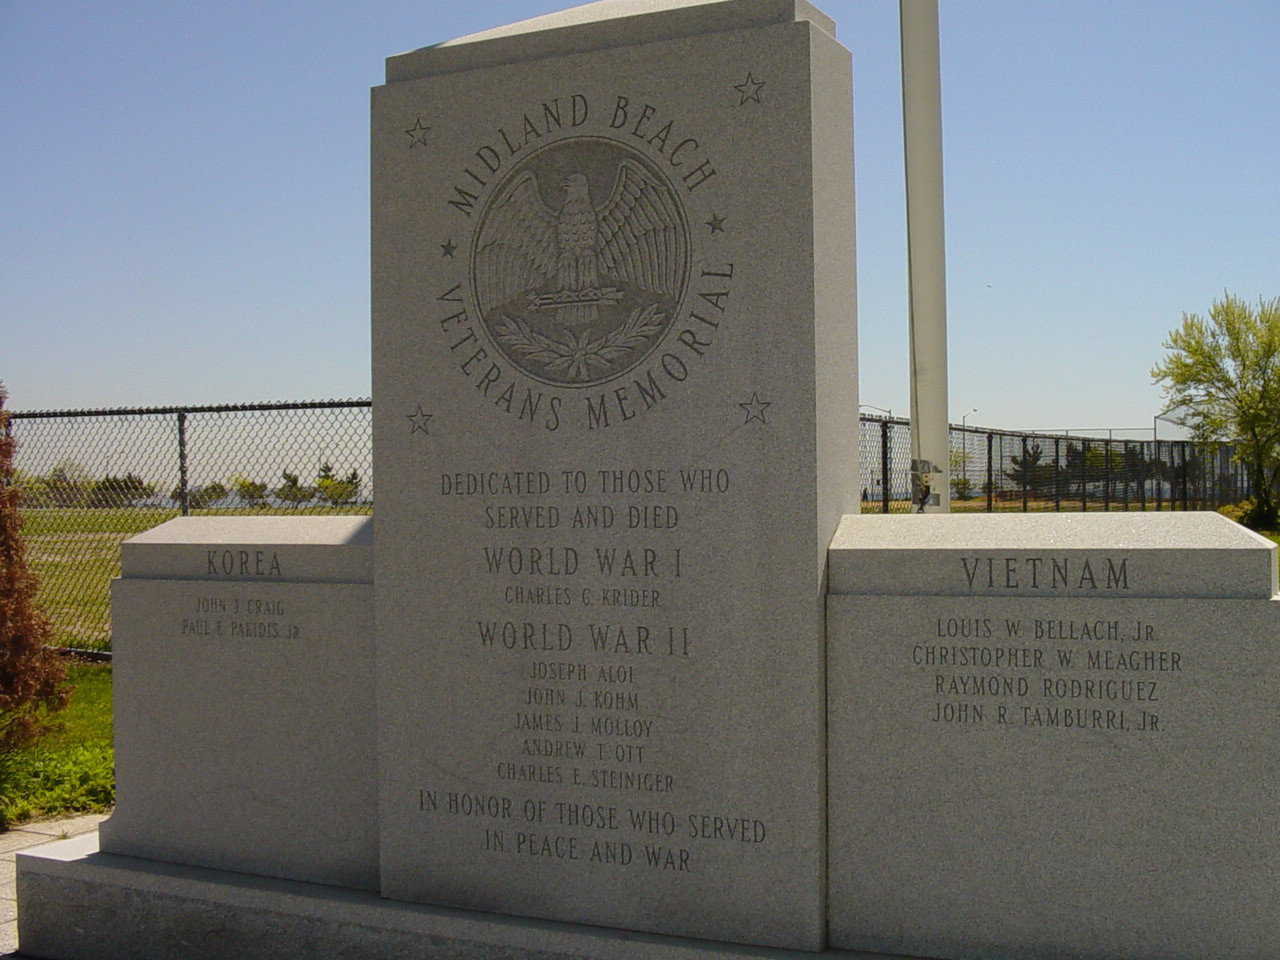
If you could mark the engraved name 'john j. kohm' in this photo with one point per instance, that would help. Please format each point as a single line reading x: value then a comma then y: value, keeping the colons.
x: 580, y: 262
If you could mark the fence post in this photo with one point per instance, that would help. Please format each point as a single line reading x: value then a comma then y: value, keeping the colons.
x: 991, y: 479
x: 1084, y: 475
x: 182, y: 462
x: 1144, y: 470
x: 1160, y: 469
x: 1208, y: 476
x: 1025, y: 471
x: 1222, y: 471
x: 1177, y: 488
x: 1106, y: 474
x: 1176, y: 485
x: 1124, y: 474
x: 1207, y: 470
x: 1057, y: 473
x: 1186, y: 500
x: 1194, y: 490
x: 884, y: 466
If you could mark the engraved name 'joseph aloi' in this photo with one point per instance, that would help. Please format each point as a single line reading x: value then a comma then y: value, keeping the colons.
x: 580, y: 262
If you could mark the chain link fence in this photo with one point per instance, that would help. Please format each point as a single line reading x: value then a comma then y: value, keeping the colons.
x: 92, y: 478
x: 993, y: 470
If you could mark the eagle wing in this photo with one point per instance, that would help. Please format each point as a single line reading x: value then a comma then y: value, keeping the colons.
x: 641, y: 237
x: 518, y: 247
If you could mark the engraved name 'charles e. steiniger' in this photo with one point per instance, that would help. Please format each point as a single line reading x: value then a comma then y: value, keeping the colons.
x: 581, y: 264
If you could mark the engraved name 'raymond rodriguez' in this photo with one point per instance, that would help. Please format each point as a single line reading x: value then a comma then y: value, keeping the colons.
x: 580, y: 262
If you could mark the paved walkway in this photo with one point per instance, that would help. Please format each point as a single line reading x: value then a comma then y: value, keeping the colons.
x: 21, y: 838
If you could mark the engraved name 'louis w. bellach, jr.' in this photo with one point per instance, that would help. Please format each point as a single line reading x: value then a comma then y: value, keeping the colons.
x: 580, y: 265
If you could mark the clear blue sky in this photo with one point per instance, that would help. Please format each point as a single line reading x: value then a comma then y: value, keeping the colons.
x: 184, y: 194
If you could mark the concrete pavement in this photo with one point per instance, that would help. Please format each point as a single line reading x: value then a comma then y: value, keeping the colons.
x: 22, y: 838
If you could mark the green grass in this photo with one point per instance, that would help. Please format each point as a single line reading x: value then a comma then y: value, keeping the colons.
x: 75, y: 552
x: 69, y: 769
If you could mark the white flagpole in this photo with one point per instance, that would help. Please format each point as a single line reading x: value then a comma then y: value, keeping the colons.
x: 922, y: 137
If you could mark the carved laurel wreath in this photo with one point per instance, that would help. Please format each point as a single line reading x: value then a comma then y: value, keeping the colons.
x: 579, y: 357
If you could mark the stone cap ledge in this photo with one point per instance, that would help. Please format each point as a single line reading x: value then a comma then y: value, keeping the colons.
x: 595, y: 26
x: 1189, y: 555
x: 322, y: 549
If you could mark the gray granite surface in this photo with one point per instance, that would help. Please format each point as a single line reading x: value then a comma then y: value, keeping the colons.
x: 615, y: 428
x: 1051, y: 554
x: 599, y: 26
x: 1044, y: 769
x: 264, y: 549
x: 244, y: 697
x: 140, y: 908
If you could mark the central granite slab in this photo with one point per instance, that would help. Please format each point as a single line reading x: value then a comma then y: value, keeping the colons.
x: 616, y: 418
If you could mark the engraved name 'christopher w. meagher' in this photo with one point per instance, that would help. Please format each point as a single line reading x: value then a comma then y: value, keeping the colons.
x: 580, y: 266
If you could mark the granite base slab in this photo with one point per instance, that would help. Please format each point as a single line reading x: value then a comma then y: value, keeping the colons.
x: 75, y: 903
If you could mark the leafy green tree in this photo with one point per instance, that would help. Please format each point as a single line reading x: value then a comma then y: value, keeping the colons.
x: 1136, y: 468
x: 1030, y: 473
x: 68, y: 484
x: 335, y: 491
x: 1098, y: 466
x: 1226, y: 371
x: 206, y: 494
x: 293, y: 492
x: 119, y: 491
x: 200, y: 497
x: 251, y: 492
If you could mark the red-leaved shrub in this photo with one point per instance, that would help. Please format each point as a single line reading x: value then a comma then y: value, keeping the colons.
x: 31, y: 674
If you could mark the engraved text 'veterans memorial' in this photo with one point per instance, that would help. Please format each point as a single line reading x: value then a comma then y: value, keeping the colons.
x: 614, y: 363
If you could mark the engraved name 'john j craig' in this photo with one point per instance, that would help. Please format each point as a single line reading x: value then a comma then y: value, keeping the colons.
x: 582, y: 303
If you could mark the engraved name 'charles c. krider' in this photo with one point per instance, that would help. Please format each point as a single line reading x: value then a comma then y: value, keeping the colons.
x: 583, y: 302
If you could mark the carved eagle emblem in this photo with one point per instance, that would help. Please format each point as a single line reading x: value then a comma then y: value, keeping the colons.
x: 575, y: 255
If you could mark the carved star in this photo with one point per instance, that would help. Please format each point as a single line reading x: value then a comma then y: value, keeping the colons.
x: 755, y: 408
x: 716, y: 223
x: 418, y: 421
x: 449, y: 248
x: 417, y: 134
x: 749, y: 89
